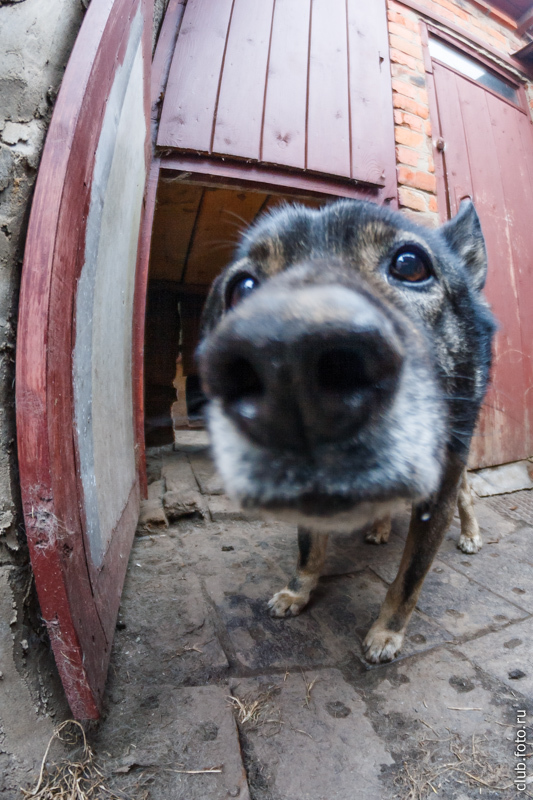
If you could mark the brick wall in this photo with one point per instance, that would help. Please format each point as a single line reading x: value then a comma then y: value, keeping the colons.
x: 417, y: 189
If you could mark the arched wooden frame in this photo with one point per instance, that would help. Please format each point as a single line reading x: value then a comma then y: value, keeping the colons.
x: 79, y: 593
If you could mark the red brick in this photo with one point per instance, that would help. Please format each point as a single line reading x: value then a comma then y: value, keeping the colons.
x: 411, y: 199
x: 432, y: 203
x: 404, y: 155
x: 405, y: 22
x: 398, y: 43
x: 453, y: 9
x: 412, y: 121
x: 404, y: 33
x: 407, y: 89
x: 417, y: 180
x: 399, y: 70
x: 408, y: 138
x: 427, y: 126
x: 431, y: 164
x: 401, y: 58
x: 407, y: 104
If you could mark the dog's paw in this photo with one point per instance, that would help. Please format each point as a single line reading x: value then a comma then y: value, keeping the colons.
x: 376, y: 536
x: 379, y: 532
x: 287, y: 603
x: 470, y: 544
x: 382, y: 645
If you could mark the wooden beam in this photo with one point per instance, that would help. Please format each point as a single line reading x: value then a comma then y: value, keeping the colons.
x: 525, y: 22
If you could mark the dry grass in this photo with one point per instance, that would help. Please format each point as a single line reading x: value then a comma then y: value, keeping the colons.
x: 256, y: 710
x: 440, y: 768
x: 75, y: 778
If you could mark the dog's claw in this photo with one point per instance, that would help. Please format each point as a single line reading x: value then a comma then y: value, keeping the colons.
x: 382, y: 645
x: 287, y: 603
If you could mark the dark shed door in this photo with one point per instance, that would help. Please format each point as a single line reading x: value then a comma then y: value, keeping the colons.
x: 76, y: 412
x: 489, y: 156
x: 299, y: 84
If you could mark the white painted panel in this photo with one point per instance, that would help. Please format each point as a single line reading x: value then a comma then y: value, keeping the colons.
x: 102, y: 369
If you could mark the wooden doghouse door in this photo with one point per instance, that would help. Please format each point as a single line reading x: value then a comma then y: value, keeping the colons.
x: 77, y: 437
x: 486, y: 151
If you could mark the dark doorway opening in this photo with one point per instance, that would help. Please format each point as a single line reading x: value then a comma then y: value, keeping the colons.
x: 195, y: 232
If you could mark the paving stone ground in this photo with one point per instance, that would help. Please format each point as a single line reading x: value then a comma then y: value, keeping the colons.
x: 202, y: 678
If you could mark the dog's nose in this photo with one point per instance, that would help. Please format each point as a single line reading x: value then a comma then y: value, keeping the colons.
x: 300, y: 367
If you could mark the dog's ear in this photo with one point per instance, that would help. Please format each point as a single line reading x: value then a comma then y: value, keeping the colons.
x: 464, y: 236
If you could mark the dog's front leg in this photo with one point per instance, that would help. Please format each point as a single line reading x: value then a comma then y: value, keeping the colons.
x: 426, y: 532
x: 311, y: 556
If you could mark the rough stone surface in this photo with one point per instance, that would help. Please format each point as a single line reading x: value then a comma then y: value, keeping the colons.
x: 223, y: 509
x: 302, y: 746
x: 502, y: 480
x: 315, y: 721
x: 152, y: 512
x: 204, y: 471
x: 505, y: 654
x: 23, y: 734
x: 182, y: 497
x: 199, y: 733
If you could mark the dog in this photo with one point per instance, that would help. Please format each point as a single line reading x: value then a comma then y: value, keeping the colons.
x: 345, y: 354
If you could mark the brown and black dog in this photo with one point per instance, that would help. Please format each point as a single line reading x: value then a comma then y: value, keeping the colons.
x: 345, y: 355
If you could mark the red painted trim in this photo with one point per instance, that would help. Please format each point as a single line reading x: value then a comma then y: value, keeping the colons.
x: 500, y: 16
x: 428, y: 14
x: 438, y: 155
x: 163, y: 57
x: 525, y: 22
x: 139, y: 316
x: 507, y: 75
x: 159, y: 76
x: 80, y: 622
x: 225, y: 172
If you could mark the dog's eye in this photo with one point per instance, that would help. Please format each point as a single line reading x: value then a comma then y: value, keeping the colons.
x: 240, y: 289
x: 410, y: 266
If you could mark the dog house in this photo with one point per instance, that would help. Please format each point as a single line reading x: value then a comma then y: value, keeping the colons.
x: 148, y: 171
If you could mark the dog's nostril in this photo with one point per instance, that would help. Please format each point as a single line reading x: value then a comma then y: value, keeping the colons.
x: 241, y: 380
x: 342, y: 370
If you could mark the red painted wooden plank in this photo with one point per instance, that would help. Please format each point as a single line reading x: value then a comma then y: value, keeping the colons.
x: 456, y: 153
x: 328, y: 120
x: 68, y: 493
x: 514, y: 150
x: 211, y: 172
x: 164, y: 51
x: 284, y: 127
x: 44, y: 529
x: 372, y: 124
x: 141, y: 285
x: 192, y: 89
x: 80, y: 624
x: 239, y: 117
x: 502, y: 428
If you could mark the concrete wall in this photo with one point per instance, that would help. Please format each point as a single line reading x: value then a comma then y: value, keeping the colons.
x: 36, y: 37
x: 417, y: 187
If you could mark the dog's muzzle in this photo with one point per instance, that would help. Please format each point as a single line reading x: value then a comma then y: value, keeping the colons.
x: 299, y: 367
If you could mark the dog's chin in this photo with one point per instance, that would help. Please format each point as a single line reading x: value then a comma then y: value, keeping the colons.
x: 339, y: 494
x: 324, y: 515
